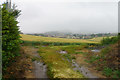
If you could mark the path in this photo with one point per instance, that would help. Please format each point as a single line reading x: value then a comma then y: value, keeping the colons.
x: 87, y: 69
x: 39, y: 69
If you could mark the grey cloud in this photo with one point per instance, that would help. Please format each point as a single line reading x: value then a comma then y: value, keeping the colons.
x: 43, y: 15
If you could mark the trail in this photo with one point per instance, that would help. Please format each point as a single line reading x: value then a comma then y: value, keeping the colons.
x: 39, y: 68
x: 85, y: 68
x: 80, y: 65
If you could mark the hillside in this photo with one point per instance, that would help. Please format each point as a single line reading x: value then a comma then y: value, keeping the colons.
x: 51, y: 39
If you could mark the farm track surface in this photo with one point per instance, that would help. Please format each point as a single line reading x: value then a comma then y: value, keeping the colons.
x: 87, y: 69
x: 39, y: 69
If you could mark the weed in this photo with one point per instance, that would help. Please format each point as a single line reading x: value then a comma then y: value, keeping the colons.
x: 105, y: 50
x: 107, y: 71
x: 93, y: 59
x: 79, y: 53
x: 116, y: 74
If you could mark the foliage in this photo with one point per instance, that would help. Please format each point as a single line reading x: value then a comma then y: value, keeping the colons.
x: 106, y: 60
x: 107, y: 41
x: 106, y: 50
x: 107, y: 71
x: 116, y: 74
x: 10, y: 37
x: 34, y: 43
x: 92, y: 59
x: 111, y: 73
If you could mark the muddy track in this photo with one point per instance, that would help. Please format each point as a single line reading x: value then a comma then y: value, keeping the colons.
x: 82, y: 68
x: 39, y: 68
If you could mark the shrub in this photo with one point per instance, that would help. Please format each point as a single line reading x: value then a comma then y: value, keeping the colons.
x: 105, y: 51
x: 10, y: 37
x: 107, y: 41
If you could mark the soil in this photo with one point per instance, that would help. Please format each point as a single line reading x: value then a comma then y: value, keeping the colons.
x: 39, y: 68
x: 24, y: 67
x: 21, y: 65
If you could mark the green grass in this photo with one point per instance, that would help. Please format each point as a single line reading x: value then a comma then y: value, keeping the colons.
x: 72, y: 48
x: 107, y: 71
x: 57, y: 67
x: 111, y: 73
x: 79, y: 53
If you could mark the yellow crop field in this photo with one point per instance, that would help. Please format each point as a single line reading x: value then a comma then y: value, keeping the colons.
x: 51, y: 39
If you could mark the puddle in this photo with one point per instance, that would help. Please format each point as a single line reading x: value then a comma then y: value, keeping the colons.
x: 95, y: 50
x: 63, y: 52
x: 40, y: 70
x: 43, y: 46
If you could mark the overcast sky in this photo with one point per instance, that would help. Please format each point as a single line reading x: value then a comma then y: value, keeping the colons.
x: 80, y: 16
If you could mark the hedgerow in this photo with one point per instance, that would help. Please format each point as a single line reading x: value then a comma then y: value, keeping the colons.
x: 112, y: 40
x: 10, y: 36
x: 55, y: 43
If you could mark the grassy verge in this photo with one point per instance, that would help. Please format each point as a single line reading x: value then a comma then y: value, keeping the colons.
x: 57, y: 66
x: 106, y: 61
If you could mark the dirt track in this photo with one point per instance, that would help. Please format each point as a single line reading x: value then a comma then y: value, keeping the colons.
x: 39, y: 69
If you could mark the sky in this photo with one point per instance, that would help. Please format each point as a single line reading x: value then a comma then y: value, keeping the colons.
x: 77, y: 16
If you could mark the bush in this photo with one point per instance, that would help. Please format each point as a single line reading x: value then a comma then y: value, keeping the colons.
x: 107, y: 41
x: 10, y: 37
x: 105, y: 51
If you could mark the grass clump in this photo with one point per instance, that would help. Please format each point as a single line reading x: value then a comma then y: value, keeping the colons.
x: 107, y: 71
